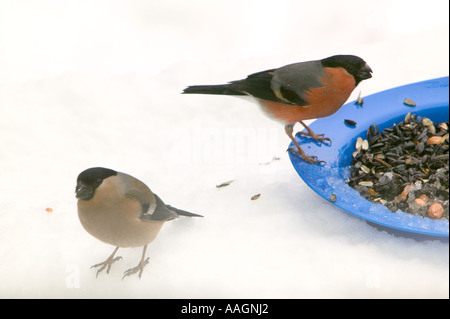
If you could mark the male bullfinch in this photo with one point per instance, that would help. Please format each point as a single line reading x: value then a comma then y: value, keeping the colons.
x: 299, y: 91
x: 120, y: 210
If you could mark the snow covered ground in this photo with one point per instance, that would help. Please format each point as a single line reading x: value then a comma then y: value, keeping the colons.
x: 97, y: 83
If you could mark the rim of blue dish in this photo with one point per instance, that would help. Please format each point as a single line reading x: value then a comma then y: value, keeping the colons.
x: 384, y: 109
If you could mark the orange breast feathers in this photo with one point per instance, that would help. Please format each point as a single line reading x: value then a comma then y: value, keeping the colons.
x: 337, y: 85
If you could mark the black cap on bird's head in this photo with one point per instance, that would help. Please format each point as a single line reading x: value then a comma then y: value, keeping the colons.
x: 352, y: 64
x: 90, y: 179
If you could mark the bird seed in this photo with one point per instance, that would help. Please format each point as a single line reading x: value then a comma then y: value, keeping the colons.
x: 405, y: 167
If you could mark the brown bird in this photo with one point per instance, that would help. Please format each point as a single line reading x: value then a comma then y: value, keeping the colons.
x: 122, y: 211
x: 299, y: 91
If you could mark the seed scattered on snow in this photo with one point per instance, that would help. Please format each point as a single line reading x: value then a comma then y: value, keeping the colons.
x: 275, y: 158
x: 225, y: 184
x: 255, y: 197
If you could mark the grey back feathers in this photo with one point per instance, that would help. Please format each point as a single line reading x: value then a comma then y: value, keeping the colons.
x: 297, y: 78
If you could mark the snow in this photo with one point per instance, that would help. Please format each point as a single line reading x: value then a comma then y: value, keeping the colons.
x: 97, y: 83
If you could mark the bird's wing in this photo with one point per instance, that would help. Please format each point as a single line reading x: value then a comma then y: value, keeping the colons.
x: 257, y: 85
x: 291, y: 82
x: 287, y: 84
x: 160, y: 212
x: 152, y: 208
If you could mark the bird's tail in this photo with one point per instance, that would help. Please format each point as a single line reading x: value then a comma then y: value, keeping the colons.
x: 223, y: 89
x: 183, y: 212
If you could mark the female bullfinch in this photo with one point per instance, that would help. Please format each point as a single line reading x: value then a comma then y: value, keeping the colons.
x: 122, y: 211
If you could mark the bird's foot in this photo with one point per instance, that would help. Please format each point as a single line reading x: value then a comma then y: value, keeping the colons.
x: 317, y: 137
x: 139, y: 268
x: 106, y: 264
x: 307, y: 158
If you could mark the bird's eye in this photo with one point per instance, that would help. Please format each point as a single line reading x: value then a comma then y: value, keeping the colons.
x: 350, y: 68
x: 99, y: 180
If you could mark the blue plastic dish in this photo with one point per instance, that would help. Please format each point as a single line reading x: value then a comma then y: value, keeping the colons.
x: 383, y: 108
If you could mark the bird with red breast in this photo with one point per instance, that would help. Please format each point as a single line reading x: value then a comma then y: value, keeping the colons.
x: 298, y: 92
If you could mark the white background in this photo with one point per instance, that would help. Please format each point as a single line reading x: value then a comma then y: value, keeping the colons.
x: 97, y: 83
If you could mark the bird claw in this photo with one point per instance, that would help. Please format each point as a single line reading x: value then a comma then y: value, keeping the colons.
x: 139, y: 267
x: 317, y: 137
x: 326, y: 139
x: 310, y: 159
x: 106, y: 264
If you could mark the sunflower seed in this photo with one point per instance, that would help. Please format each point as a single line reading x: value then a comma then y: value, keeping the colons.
x: 411, y: 152
x: 225, y: 184
x: 359, y: 100
x: 408, y: 117
x: 350, y: 122
x: 255, y: 197
x: 365, y: 169
x: 359, y: 142
x: 409, y: 102
x: 426, y: 121
x: 365, y: 145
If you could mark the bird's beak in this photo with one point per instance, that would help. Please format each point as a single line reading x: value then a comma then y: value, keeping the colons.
x: 84, y: 191
x: 365, y: 72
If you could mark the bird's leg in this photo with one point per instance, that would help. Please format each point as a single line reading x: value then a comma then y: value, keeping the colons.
x: 314, y: 136
x: 139, y: 267
x: 107, y: 263
x: 310, y: 159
